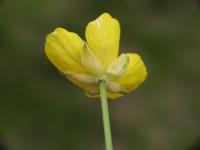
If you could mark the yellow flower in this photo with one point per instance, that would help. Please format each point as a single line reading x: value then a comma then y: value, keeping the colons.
x: 85, y: 63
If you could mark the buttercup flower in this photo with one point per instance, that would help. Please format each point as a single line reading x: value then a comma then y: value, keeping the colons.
x: 85, y: 63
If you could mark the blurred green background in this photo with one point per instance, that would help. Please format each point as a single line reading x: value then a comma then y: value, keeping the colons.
x: 40, y: 110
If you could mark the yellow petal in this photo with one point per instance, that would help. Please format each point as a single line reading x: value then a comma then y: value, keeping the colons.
x: 117, y: 68
x: 91, y: 62
x: 134, y: 75
x: 103, y: 36
x: 63, y: 49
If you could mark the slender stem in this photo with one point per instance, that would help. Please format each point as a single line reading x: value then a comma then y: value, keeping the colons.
x: 105, y: 113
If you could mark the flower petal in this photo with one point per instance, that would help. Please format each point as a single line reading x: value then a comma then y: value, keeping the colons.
x: 135, y: 74
x: 63, y: 49
x: 103, y: 36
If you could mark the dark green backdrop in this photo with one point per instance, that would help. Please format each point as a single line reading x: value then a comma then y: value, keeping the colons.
x: 40, y: 110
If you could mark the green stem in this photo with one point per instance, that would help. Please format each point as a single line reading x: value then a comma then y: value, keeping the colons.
x: 105, y: 113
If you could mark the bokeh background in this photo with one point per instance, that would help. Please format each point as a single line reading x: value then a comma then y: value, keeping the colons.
x: 40, y: 110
